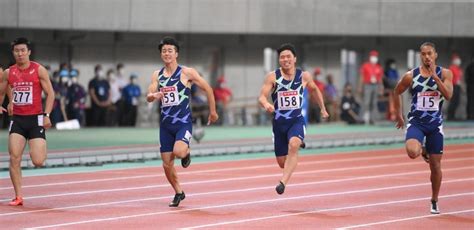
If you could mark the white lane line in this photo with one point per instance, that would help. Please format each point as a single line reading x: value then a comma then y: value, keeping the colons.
x: 231, y: 179
x: 265, y: 201
x: 302, y: 162
x: 322, y: 210
x: 161, y: 174
x: 228, y: 191
x: 405, y: 219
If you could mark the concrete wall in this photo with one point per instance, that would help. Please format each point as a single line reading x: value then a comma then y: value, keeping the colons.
x: 322, y: 17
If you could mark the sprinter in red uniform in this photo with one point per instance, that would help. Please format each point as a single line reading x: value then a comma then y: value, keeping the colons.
x: 25, y: 81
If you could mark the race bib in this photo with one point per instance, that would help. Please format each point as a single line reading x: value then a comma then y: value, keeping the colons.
x: 170, y: 96
x: 23, y: 95
x: 288, y: 100
x: 428, y: 101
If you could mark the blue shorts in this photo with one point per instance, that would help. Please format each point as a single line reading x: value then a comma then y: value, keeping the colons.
x: 433, y: 135
x: 284, y: 131
x: 170, y: 133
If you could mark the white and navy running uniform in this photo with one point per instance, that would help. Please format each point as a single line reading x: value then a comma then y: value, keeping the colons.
x: 425, y: 119
x: 288, y: 121
x: 175, y: 111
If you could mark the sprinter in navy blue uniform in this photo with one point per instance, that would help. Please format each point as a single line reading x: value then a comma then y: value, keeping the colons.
x: 286, y: 85
x: 430, y: 86
x: 171, y: 86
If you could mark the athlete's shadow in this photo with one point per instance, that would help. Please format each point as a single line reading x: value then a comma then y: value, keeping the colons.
x: 316, y: 214
x: 202, y: 213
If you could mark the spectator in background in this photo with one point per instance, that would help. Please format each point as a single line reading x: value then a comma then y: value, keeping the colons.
x: 115, y: 96
x: 122, y: 81
x: 199, y: 104
x: 331, y: 98
x: 76, y: 97
x: 455, y: 68
x: 469, y: 79
x: 99, y: 92
x: 349, y: 107
x: 131, y: 95
x: 58, y: 114
x: 370, y: 86
x: 120, y: 76
x: 314, y: 110
x: 390, y: 80
x: 223, y: 96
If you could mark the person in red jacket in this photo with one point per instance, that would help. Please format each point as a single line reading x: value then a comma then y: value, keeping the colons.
x: 370, y: 86
x: 27, y: 80
x: 455, y: 68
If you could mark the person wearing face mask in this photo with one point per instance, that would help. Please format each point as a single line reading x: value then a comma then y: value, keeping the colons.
x: 223, y: 96
x: 99, y: 92
x: 455, y: 68
x: 370, y: 86
x: 390, y: 81
x: 121, y: 82
x: 76, y: 98
x: 130, y: 96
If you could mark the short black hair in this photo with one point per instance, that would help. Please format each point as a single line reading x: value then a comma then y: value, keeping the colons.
x: 168, y: 41
x: 287, y: 46
x: 428, y: 44
x: 20, y: 41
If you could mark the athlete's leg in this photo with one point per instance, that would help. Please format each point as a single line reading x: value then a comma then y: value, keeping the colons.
x: 291, y: 159
x: 414, y: 139
x: 181, y: 145
x: 37, y: 151
x: 170, y: 171
x: 281, y: 161
x: 180, y: 149
x: 434, y: 146
x: 16, y: 146
x: 413, y: 148
x: 280, y: 143
x: 436, y: 175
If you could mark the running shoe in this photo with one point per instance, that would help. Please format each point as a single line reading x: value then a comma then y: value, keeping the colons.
x: 425, y: 155
x: 280, y: 188
x: 186, y: 161
x: 17, y: 201
x: 434, y: 207
x: 178, y: 197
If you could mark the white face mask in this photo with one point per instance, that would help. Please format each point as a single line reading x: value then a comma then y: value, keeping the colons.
x: 457, y: 61
x: 373, y: 59
x: 393, y: 66
x: 100, y: 73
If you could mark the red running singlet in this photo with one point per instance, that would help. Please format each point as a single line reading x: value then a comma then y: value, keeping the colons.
x: 26, y: 89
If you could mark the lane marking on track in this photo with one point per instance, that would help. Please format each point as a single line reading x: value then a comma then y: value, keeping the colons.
x: 208, y: 171
x: 457, y: 147
x: 322, y: 210
x: 405, y: 219
x: 226, y: 192
x: 232, y: 179
x: 266, y: 201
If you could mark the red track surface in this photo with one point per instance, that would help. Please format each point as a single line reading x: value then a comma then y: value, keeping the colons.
x: 368, y: 189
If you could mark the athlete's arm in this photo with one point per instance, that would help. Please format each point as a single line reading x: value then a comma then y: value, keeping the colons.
x: 401, y: 87
x: 48, y: 90
x: 194, y: 76
x: 3, y: 88
x: 445, y: 86
x: 153, y: 93
x: 266, y: 88
x: 315, y: 93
